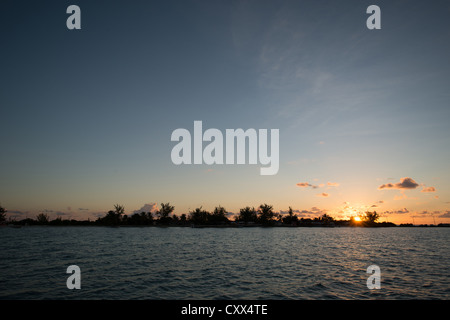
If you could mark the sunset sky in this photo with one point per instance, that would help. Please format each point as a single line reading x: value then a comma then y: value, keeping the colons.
x: 87, y: 115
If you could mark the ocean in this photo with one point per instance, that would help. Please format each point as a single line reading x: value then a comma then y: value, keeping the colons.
x: 136, y: 263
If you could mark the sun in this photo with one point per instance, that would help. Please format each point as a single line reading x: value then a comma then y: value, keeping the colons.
x: 357, y: 219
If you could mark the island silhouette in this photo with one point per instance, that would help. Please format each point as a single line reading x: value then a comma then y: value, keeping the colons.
x: 262, y: 216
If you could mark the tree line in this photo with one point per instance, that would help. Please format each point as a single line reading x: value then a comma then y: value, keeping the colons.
x: 263, y: 215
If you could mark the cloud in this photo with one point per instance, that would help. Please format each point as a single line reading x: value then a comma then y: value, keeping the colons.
x: 425, y: 212
x: 320, y: 185
x: 428, y: 189
x: 445, y: 215
x: 400, y: 211
x: 303, y: 213
x: 405, y: 183
x: 377, y: 204
x: 303, y: 184
x: 148, y: 207
x: 323, y: 194
x: 306, y: 184
x: 313, y: 212
x: 18, y: 212
x: 83, y: 209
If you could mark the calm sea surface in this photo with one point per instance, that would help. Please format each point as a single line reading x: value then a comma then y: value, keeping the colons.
x: 228, y: 263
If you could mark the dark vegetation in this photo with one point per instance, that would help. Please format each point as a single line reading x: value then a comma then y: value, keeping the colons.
x: 219, y: 217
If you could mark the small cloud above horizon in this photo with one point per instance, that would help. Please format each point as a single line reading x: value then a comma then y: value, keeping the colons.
x: 313, y: 212
x: 405, y: 183
x: 320, y: 185
x: 306, y: 184
x: 445, y: 214
x: 303, y: 184
x: 148, y: 207
x: 400, y: 211
x: 428, y: 189
x: 18, y: 212
x: 323, y: 195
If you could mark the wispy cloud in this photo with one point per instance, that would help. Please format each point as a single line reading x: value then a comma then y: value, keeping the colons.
x: 306, y: 184
x: 18, y: 212
x: 445, y: 214
x: 320, y: 185
x: 400, y: 211
x: 303, y: 184
x: 428, y: 189
x: 323, y: 195
x: 305, y: 213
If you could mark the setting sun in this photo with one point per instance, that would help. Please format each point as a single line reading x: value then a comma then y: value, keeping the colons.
x: 358, y: 219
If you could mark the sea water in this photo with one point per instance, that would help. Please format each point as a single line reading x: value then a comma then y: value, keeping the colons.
x: 224, y: 263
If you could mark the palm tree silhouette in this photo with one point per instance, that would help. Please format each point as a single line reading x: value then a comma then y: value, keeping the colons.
x: 164, y: 212
x: 265, y: 214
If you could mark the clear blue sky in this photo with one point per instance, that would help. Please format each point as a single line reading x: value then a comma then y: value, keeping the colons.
x: 87, y: 114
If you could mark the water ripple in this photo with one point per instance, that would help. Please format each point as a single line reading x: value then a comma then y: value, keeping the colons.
x: 255, y: 263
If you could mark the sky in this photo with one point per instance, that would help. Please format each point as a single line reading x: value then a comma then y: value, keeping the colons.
x: 87, y: 115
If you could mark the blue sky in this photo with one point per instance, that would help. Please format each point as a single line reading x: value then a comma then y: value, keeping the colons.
x: 87, y: 114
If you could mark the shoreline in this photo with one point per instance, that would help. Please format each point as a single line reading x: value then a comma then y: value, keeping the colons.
x: 233, y: 226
